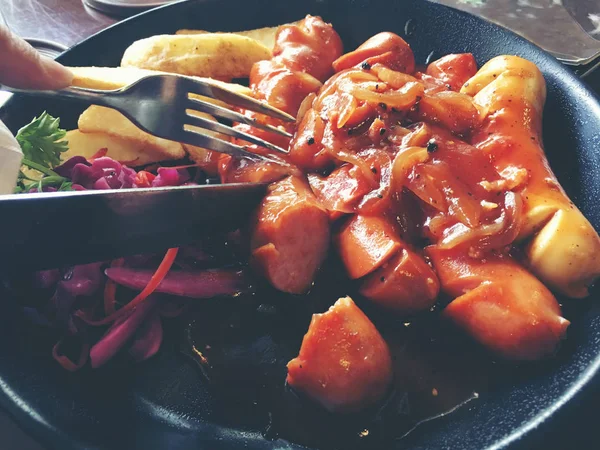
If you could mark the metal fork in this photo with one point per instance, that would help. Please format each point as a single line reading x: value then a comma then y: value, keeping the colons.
x: 159, y: 104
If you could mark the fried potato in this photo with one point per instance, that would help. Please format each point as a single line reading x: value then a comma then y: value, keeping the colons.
x: 88, y: 144
x: 110, y: 78
x: 264, y: 35
x: 107, y: 78
x: 98, y: 119
x: 214, y: 55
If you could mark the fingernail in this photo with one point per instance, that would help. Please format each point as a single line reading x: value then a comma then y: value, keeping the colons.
x: 58, y: 76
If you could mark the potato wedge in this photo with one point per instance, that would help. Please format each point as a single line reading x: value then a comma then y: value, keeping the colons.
x: 108, y: 78
x: 214, y: 55
x: 266, y: 36
x: 97, y: 119
x: 88, y: 144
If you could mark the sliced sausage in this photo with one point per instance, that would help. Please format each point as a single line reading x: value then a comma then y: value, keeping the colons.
x: 341, y: 190
x: 453, y: 70
x: 384, y: 48
x: 405, y: 284
x: 290, y: 237
x: 344, y: 364
x: 309, y: 46
x: 452, y: 110
x: 364, y: 243
x: 500, y: 304
x: 302, y: 60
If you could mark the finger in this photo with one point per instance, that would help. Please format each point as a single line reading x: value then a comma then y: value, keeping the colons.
x: 21, y: 66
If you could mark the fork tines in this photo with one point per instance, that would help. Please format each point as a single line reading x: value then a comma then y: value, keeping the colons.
x: 212, y: 89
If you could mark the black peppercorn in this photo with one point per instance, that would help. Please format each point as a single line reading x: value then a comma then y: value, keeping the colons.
x: 311, y: 140
x: 431, y: 146
x: 366, y: 66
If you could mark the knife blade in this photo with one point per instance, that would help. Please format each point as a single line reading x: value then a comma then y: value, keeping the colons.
x: 52, y: 230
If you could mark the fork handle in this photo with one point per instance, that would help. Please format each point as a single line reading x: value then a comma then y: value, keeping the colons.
x: 102, y: 98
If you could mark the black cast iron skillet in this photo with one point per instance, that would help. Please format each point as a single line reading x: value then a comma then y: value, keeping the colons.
x: 167, y: 404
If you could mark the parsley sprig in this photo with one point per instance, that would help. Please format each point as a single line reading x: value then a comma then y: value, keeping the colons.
x: 42, y: 142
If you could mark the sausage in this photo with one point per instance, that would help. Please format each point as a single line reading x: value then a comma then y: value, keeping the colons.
x: 302, y: 60
x: 500, y: 304
x: 306, y: 148
x: 405, y: 284
x: 442, y: 103
x: 341, y: 190
x: 344, y: 364
x: 309, y: 46
x: 364, y: 243
x: 233, y: 170
x: 290, y: 237
x: 453, y: 110
x: 452, y: 71
x: 370, y: 83
x: 564, y: 248
x: 384, y: 48
x: 281, y: 87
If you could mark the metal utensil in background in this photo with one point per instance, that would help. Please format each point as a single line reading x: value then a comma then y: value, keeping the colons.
x: 41, y: 231
x: 569, y: 29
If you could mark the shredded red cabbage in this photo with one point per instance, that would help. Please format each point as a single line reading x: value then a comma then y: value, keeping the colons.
x: 101, y: 173
x: 106, y: 173
x: 170, y: 177
x: 76, y: 294
x: 186, y: 283
x: 147, y: 339
x: 121, y: 332
x: 76, y: 282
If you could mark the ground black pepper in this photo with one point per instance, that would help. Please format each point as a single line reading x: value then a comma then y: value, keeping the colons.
x: 431, y: 146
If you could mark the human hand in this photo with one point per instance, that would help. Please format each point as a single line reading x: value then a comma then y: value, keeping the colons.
x: 21, y: 66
